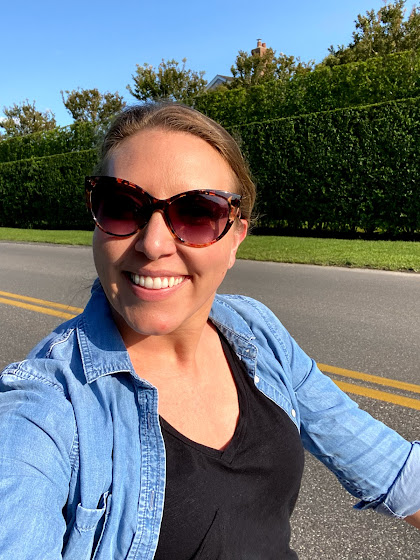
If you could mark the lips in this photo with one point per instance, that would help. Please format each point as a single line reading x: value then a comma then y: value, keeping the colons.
x: 156, y: 282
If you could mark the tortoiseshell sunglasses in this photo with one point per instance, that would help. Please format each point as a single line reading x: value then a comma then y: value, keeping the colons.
x: 197, y: 218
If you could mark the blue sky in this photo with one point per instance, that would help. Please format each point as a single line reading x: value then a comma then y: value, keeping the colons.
x: 48, y: 46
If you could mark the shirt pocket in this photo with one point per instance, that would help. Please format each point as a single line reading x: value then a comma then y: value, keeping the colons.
x: 88, y: 529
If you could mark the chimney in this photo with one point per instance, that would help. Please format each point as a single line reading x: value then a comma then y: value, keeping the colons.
x: 260, y: 50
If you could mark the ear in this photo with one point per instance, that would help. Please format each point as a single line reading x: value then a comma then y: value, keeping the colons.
x: 240, y: 230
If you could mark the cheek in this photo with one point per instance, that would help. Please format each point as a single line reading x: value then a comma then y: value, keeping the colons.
x: 219, y: 259
x: 102, y: 255
x: 99, y: 254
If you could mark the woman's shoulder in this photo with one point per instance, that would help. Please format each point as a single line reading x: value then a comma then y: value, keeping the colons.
x: 59, y: 337
x: 240, y: 303
x: 246, y: 310
x: 47, y: 364
x: 253, y: 321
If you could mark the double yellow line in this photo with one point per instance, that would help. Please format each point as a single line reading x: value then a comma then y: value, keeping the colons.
x: 40, y: 305
x: 68, y: 312
x: 366, y: 391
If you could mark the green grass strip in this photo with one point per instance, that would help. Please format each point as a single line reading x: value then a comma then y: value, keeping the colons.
x: 385, y: 255
x: 62, y: 237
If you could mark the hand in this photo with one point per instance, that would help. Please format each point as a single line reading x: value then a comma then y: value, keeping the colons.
x: 414, y: 519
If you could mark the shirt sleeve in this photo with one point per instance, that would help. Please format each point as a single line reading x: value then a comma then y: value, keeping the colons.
x: 404, y: 496
x: 37, y: 430
x: 372, y: 461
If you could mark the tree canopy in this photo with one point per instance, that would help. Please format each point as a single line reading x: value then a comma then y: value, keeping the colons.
x: 378, y: 34
x: 24, y: 118
x: 252, y: 69
x: 169, y: 81
x: 89, y: 105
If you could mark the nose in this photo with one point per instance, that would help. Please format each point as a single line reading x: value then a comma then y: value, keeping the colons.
x: 155, y: 240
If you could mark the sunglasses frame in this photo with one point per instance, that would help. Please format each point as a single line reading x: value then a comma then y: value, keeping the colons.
x: 161, y: 205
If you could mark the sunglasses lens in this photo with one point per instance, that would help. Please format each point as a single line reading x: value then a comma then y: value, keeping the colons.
x: 199, y: 218
x: 116, y: 211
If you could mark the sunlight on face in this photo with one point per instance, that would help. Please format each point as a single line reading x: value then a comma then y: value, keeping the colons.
x: 164, y: 164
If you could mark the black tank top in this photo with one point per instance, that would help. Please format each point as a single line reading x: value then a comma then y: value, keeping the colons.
x: 233, y: 504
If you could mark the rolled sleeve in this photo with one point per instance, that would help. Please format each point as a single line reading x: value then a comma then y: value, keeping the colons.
x: 372, y: 461
x: 403, y: 498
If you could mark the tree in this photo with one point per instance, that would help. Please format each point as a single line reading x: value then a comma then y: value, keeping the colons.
x: 89, y: 105
x: 379, y: 34
x: 253, y: 69
x: 24, y: 118
x: 169, y: 81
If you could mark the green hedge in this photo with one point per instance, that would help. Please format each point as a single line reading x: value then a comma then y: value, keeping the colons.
x: 393, y: 77
x: 46, y: 193
x: 72, y: 138
x: 341, y: 170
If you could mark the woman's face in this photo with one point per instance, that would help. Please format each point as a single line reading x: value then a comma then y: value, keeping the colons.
x: 180, y: 281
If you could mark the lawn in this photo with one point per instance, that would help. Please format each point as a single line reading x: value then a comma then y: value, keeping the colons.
x: 386, y: 255
x: 63, y: 237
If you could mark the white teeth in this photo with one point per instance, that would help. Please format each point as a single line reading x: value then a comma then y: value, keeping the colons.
x: 156, y: 283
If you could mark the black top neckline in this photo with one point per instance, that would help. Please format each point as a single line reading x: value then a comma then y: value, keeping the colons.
x: 227, y: 454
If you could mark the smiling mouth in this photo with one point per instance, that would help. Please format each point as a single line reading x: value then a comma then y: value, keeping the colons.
x: 156, y: 283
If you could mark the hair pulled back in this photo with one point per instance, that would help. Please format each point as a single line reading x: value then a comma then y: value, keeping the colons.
x: 180, y: 118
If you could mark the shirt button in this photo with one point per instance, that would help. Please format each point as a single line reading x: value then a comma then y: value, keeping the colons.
x: 293, y: 413
x: 256, y: 379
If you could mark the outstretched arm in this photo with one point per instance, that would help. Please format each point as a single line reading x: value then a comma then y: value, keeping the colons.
x: 37, y: 431
x: 414, y: 519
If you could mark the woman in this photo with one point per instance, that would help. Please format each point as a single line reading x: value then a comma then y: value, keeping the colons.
x: 167, y: 422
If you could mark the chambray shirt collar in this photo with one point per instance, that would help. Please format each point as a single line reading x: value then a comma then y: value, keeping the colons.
x: 234, y: 327
x: 103, y: 351
x: 101, y: 347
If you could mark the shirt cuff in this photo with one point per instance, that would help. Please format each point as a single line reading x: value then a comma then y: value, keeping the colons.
x: 403, y: 497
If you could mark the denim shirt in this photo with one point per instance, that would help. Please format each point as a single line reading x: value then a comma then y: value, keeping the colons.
x: 82, y: 458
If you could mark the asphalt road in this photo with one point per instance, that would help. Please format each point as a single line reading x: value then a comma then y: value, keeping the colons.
x: 360, y: 320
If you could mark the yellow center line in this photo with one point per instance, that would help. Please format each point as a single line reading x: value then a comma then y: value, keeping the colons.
x: 378, y: 395
x: 46, y: 307
x: 39, y: 309
x: 43, y: 302
x: 371, y: 378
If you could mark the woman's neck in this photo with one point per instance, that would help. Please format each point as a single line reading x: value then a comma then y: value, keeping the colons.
x: 175, y: 355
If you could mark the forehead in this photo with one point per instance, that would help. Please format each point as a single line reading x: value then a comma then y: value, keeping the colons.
x: 170, y: 162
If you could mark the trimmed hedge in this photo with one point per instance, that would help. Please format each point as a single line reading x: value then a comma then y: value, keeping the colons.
x: 341, y: 170
x: 72, y: 138
x: 46, y: 193
x: 396, y: 76
x: 338, y: 171
x: 393, y: 77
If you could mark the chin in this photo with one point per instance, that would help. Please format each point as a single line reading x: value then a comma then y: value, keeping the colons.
x: 146, y: 325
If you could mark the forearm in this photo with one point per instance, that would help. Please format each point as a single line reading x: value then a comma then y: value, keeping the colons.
x: 414, y: 519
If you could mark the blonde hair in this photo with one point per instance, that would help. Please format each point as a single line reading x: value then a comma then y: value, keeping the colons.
x: 179, y: 118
